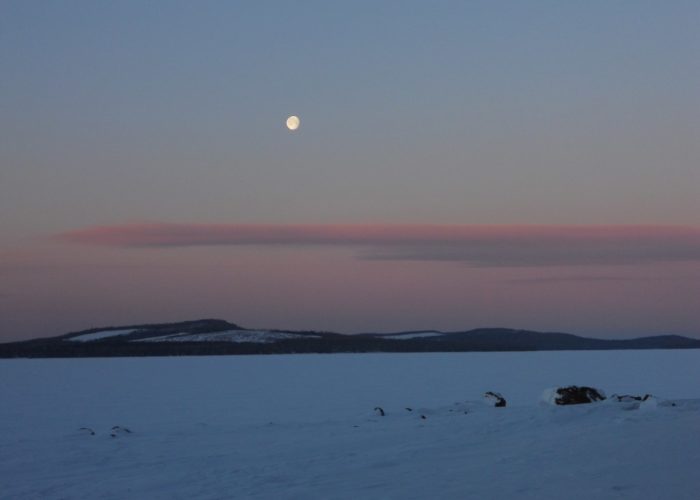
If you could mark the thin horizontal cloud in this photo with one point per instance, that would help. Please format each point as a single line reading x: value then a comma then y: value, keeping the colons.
x: 585, y: 278
x: 574, y: 278
x: 487, y: 246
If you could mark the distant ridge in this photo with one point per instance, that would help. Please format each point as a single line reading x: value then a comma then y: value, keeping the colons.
x: 218, y: 337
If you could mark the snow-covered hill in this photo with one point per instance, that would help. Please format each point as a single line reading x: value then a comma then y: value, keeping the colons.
x: 304, y: 426
x: 188, y: 331
x: 215, y: 336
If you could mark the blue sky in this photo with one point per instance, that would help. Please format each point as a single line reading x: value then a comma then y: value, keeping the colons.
x: 476, y: 113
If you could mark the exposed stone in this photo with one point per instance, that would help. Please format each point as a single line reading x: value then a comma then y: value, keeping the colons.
x: 574, y: 395
x: 627, y: 398
x: 495, y: 398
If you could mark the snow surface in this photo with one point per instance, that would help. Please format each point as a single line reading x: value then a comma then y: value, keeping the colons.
x: 304, y: 427
x: 99, y: 335
x: 417, y: 335
x: 255, y: 336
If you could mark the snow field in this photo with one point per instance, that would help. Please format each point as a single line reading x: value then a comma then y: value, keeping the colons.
x: 304, y: 426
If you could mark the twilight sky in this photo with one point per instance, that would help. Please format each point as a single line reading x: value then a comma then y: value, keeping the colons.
x: 459, y: 164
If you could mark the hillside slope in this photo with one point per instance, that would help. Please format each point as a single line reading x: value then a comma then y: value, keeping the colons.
x: 215, y: 336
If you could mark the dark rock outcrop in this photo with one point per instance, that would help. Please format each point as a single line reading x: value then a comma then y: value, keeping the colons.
x: 574, y: 395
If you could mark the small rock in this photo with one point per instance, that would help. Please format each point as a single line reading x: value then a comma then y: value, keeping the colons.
x: 117, y: 430
x: 627, y: 398
x: 495, y: 398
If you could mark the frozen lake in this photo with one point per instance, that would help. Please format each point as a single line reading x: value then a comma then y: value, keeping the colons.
x: 303, y: 426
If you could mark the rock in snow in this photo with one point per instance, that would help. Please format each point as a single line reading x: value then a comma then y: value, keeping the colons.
x: 572, y: 395
x: 646, y: 402
x: 626, y: 398
x: 495, y: 399
x: 118, y: 430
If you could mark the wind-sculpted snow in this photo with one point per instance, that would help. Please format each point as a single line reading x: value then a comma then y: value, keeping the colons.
x: 307, y: 427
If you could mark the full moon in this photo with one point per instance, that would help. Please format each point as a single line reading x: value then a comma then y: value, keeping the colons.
x: 293, y: 122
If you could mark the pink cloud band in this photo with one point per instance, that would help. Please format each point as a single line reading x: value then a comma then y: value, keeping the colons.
x: 498, y: 245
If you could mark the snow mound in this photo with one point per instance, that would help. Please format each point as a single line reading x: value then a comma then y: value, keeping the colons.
x: 549, y: 396
x: 650, y: 404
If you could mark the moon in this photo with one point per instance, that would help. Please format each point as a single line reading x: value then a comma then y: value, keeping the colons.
x: 293, y: 122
